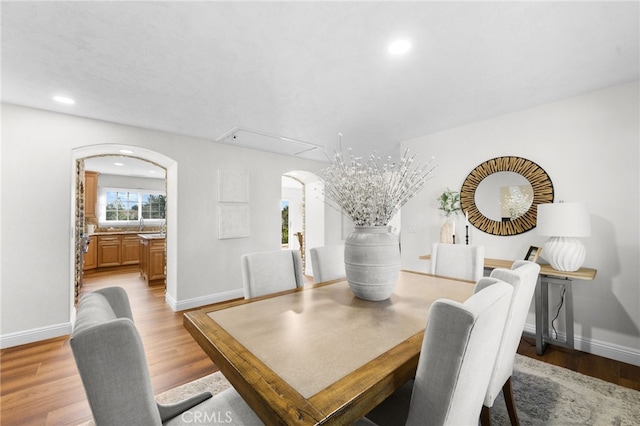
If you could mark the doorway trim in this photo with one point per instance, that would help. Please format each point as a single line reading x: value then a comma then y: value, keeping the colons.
x: 162, y: 160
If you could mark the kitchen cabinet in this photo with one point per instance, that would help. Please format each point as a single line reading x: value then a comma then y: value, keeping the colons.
x: 91, y: 256
x: 152, y: 258
x: 108, y: 250
x: 116, y: 250
x: 130, y: 250
x: 90, y: 194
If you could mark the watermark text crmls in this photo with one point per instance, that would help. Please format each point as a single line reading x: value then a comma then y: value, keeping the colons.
x: 207, y: 417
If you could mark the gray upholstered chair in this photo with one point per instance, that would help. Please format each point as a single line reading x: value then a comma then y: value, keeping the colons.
x: 328, y: 263
x: 113, y: 367
x: 460, y: 261
x: 523, y: 278
x: 458, y: 351
x: 271, y: 271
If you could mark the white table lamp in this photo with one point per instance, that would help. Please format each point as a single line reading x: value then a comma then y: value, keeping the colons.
x: 564, y: 222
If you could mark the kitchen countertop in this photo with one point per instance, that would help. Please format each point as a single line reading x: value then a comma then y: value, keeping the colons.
x: 126, y: 232
x: 156, y: 236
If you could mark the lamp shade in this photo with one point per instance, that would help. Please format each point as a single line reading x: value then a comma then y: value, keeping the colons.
x: 564, y: 220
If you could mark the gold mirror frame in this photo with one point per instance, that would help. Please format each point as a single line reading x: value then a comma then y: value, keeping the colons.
x: 537, y: 177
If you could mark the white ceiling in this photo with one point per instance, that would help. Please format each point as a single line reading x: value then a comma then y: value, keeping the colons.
x: 305, y: 71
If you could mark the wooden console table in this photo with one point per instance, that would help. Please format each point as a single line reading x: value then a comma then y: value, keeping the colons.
x: 547, y: 276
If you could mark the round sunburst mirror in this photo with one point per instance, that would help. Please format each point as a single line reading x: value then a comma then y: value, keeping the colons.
x: 501, y: 195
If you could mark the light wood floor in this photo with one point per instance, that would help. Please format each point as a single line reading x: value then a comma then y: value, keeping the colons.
x: 41, y: 386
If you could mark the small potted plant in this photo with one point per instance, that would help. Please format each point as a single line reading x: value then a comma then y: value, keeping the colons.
x: 450, y: 204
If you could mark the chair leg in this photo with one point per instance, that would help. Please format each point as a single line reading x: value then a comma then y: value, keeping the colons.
x: 508, y: 399
x: 485, y: 416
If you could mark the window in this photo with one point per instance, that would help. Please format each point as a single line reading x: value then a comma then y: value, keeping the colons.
x: 153, y: 206
x: 125, y: 206
x: 122, y: 205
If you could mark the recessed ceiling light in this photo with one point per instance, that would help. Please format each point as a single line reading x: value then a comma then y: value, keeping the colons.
x: 399, y: 47
x: 64, y: 100
x: 118, y: 164
x: 125, y: 151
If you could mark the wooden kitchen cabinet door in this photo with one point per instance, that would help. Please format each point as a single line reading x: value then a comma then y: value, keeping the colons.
x: 90, y: 194
x: 108, y: 250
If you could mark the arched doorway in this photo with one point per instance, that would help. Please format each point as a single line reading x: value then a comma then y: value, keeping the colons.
x: 303, y: 192
x: 77, y: 220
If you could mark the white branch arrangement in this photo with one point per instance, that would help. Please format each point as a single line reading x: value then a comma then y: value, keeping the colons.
x: 370, y: 193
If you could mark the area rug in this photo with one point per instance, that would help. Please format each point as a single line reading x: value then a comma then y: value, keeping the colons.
x: 544, y: 395
x: 549, y: 395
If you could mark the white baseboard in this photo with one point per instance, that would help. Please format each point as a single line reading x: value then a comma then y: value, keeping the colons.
x: 598, y: 347
x: 34, y: 335
x: 608, y: 350
x: 196, y: 302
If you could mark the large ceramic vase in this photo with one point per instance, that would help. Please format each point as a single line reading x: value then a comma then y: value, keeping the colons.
x: 372, y: 262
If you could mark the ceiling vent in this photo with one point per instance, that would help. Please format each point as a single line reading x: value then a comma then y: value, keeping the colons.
x: 263, y: 141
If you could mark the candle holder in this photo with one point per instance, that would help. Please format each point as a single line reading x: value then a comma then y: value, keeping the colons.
x: 466, y: 226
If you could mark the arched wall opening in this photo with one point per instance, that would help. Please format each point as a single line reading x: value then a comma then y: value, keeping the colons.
x: 171, y: 167
x: 308, y: 213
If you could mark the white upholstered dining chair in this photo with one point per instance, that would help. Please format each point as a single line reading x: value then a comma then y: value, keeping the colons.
x: 465, y: 262
x: 110, y: 357
x: 271, y: 271
x: 459, y: 348
x: 523, y: 277
x: 327, y: 263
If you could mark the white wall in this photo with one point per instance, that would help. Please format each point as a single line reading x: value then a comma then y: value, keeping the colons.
x: 36, y: 218
x: 333, y: 233
x: 589, y: 146
x: 315, y: 216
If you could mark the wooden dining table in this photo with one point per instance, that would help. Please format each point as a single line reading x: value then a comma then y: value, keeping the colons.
x: 319, y: 355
